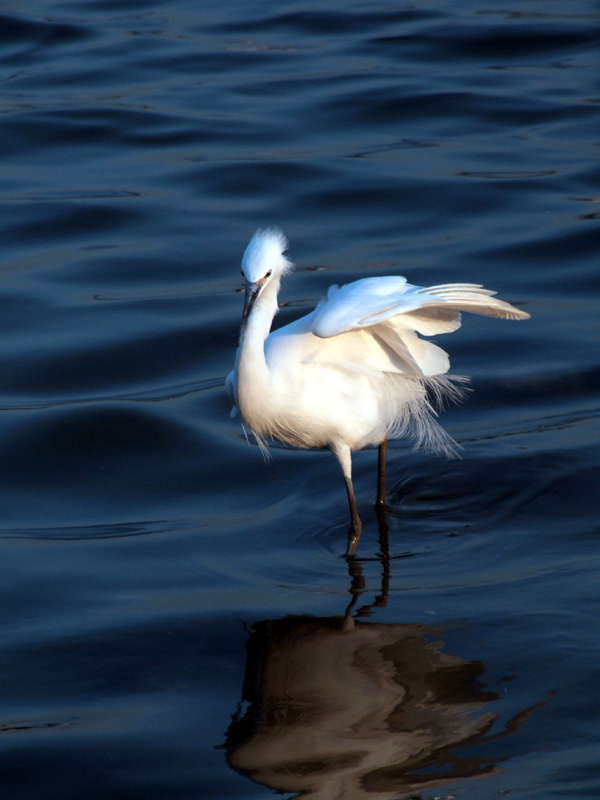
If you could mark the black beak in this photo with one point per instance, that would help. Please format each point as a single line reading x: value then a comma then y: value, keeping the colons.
x: 252, y: 292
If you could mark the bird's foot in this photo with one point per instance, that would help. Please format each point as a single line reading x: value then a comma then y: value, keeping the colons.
x: 353, y: 537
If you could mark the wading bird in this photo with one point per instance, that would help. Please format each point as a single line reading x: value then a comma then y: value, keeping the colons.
x: 353, y: 372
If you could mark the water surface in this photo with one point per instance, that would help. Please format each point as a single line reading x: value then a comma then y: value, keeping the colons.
x: 177, y: 619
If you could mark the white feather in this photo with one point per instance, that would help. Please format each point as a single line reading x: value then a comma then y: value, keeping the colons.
x: 354, y: 371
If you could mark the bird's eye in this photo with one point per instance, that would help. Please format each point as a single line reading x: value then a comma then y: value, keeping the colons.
x: 268, y: 275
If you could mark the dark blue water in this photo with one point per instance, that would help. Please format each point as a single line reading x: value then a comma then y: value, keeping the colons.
x: 174, y: 611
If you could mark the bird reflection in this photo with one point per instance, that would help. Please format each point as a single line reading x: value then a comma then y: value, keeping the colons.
x: 342, y: 708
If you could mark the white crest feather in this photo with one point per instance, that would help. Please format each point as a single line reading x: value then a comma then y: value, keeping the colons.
x: 265, y: 253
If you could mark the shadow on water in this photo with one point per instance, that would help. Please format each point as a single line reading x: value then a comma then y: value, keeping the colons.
x: 340, y: 707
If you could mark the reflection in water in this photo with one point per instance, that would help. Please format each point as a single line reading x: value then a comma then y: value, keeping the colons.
x: 350, y: 713
x: 343, y: 709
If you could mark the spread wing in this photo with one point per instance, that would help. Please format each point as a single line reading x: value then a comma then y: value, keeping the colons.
x: 394, y: 312
x: 429, y: 311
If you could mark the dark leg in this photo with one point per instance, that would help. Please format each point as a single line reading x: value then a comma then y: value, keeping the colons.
x: 380, y: 502
x: 343, y: 455
x: 355, y: 523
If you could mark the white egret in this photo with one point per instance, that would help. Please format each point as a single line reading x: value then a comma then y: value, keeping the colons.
x: 353, y: 372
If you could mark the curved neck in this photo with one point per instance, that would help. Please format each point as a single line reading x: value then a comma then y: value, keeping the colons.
x: 252, y: 372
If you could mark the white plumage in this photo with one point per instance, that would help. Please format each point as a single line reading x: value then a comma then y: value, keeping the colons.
x: 354, y: 371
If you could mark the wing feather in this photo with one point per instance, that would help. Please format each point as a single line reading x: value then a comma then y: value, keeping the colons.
x: 471, y: 297
x: 429, y: 311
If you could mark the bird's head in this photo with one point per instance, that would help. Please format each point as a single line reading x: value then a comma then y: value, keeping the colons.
x: 263, y: 264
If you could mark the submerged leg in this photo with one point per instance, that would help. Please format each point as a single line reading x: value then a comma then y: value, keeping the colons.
x: 343, y: 455
x: 380, y: 502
